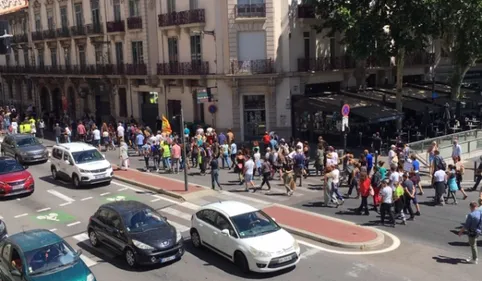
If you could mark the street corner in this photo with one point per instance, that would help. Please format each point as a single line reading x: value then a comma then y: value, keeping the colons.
x: 332, y: 231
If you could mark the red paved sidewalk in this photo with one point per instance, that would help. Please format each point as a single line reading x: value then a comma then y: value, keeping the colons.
x: 325, y: 229
x: 171, y: 187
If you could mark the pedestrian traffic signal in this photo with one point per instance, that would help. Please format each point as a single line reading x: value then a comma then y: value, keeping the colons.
x: 5, y: 38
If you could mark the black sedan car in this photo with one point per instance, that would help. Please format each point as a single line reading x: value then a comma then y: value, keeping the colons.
x: 136, y: 231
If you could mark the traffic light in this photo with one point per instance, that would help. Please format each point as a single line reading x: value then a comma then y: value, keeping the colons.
x: 210, y: 95
x: 5, y: 38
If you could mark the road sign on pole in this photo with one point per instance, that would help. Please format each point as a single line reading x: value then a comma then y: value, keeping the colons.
x: 345, y: 110
x: 344, y: 123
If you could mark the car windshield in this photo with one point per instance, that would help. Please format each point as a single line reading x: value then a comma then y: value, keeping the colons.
x: 254, y: 224
x: 87, y: 156
x: 7, y: 167
x: 50, y: 258
x: 24, y: 142
x: 143, y: 219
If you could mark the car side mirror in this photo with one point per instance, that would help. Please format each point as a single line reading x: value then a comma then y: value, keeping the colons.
x: 225, y: 232
x: 15, y: 272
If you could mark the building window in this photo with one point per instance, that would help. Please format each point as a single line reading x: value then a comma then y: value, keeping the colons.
x: 79, y: 18
x: 307, y: 43
x: 119, y: 53
x: 173, y: 49
x: 38, y: 23
x: 193, y: 4
x: 64, y: 20
x: 117, y: 11
x: 10, y: 89
x: 53, y: 56
x: 50, y: 19
x: 40, y: 58
x: 137, y: 53
x: 67, y: 58
x: 25, y: 57
x: 196, y: 48
x: 82, y: 58
x: 133, y: 8
x: 171, y: 6
x: 122, y: 95
x: 94, y: 6
x: 15, y: 57
x: 254, y: 116
x: 99, y: 58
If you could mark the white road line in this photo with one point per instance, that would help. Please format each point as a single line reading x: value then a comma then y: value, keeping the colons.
x: 166, y: 199
x: 189, y: 205
x: 1, y: 218
x: 65, y: 204
x: 309, y: 253
x: 176, y: 213
x: 178, y: 226
x: 43, y: 210
x: 122, y: 189
x: 21, y: 215
x: 126, y: 186
x: 86, y: 198
x: 105, y: 193
x: 81, y: 237
x: 135, y: 189
x: 74, y: 223
x: 60, y: 195
x: 232, y: 194
x: 88, y: 261
x: 53, y: 229
x: 18, y: 199
x: 396, y: 243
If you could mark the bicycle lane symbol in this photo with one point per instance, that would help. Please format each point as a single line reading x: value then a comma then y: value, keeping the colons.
x: 49, y: 217
x: 54, y: 217
x: 116, y: 198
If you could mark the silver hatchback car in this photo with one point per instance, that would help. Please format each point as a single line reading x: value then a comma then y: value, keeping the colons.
x: 25, y: 148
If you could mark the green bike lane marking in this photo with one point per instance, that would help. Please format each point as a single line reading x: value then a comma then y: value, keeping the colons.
x: 119, y: 197
x: 53, y: 217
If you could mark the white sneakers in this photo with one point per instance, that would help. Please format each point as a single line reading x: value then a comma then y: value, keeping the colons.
x: 472, y: 261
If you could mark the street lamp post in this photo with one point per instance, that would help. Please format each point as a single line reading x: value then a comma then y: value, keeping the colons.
x: 186, y: 185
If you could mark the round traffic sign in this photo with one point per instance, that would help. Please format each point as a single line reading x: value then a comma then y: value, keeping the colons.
x: 212, y: 109
x: 345, y: 110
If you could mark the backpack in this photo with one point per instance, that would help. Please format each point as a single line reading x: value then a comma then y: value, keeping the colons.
x: 441, y: 165
x: 375, y: 180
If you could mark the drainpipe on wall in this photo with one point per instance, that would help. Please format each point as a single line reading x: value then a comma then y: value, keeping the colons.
x: 130, y: 94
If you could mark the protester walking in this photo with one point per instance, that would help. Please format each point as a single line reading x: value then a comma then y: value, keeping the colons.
x: 473, y: 227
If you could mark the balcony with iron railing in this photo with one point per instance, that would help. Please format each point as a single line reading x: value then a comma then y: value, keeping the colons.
x: 306, y: 11
x: 328, y: 63
x: 184, y: 17
x: 135, y: 69
x: 90, y: 69
x: 250, y: 10
x: 134, y: 23
x: 93, y: 29
x: 49, y: 33
x: 78, y: 30
x: 63, y: 32
x: 183, y: 68
x: 37, y: 35
x: 264, y: 66
x: 116, y: 26
x: 19, y: 38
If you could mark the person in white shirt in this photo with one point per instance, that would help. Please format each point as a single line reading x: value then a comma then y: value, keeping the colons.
x: 335, y: 192
x: 68, y: 133
x: 330, y: 160
x: 439, y: 180
x: 407, y: 165
x: 394, y: 177
x: 96, y: 134
x: 456, y: 150
x: 386, y: 193
x: 392, y: 156
x: 248, y: 173
x: 120, y: 133
x: 334, y: 154
x: 14, y: 125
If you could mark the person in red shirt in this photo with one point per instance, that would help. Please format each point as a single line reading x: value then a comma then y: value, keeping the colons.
x: 364, y: 189
x: 266, y: 140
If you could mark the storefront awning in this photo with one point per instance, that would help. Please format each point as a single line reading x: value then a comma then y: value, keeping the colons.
x: 376, y: 114
x: 420, y: 107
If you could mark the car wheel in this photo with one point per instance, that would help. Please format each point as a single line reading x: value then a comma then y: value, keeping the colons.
x: 54, y: 173
x: 241, y: 262
x: 94, y: 240
x: 196, y: 239
x: 76, y: 181
x: 130, y: 257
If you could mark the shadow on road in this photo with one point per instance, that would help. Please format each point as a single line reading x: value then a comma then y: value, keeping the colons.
x: 448, y: 260
x: 463, y: 244
x: 65, y: 184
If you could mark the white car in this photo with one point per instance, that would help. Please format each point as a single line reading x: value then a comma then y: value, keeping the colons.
x: 80, y: 163
x: 245, y: 235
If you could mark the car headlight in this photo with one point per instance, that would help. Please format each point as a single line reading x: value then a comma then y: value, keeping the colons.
x: 84, y: 171
x: 296, y: 246
x: 23, y: 153
x: 90, y: 277
x: 141, y: 245
x: 178, y: 236
x: 257, y: 253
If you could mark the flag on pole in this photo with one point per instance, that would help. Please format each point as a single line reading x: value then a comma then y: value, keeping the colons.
x: 166, y: 126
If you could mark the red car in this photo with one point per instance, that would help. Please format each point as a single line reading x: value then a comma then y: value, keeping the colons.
x: 14, y: 178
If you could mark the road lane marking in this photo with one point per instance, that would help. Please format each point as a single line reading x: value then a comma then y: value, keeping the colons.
x: 88, y: 261
x: 396, y: 243
x: 176, y: 213
x: 189, y: 205
x: 232, y: 194
x: 155, y: 200
x: 53, y: 229
x: 86, y: 198
x: 105, y: 193
x: 74, y: 223
x: 1, y: 218
x: 65, y: 204
x: 122, y: 189
x: 43, y: 210
x: 166, y: 199
x: 60, y: 195
x: 126, y: 186
x: 81, y: 237
x: 309, y: 253
x: 179, y: 227
x: 21, y: 215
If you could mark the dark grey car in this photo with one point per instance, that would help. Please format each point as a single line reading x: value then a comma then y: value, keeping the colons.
x: 25, y: 148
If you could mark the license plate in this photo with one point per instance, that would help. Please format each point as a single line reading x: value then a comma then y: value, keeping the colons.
x: 285, y: 259
x: 171, y: 258
x: 37, y: 156
x: 99, y: 176
x: 17, y: 187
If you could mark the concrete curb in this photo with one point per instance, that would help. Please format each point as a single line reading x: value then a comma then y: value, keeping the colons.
x: 379, y: 240
x: 151, y: 188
